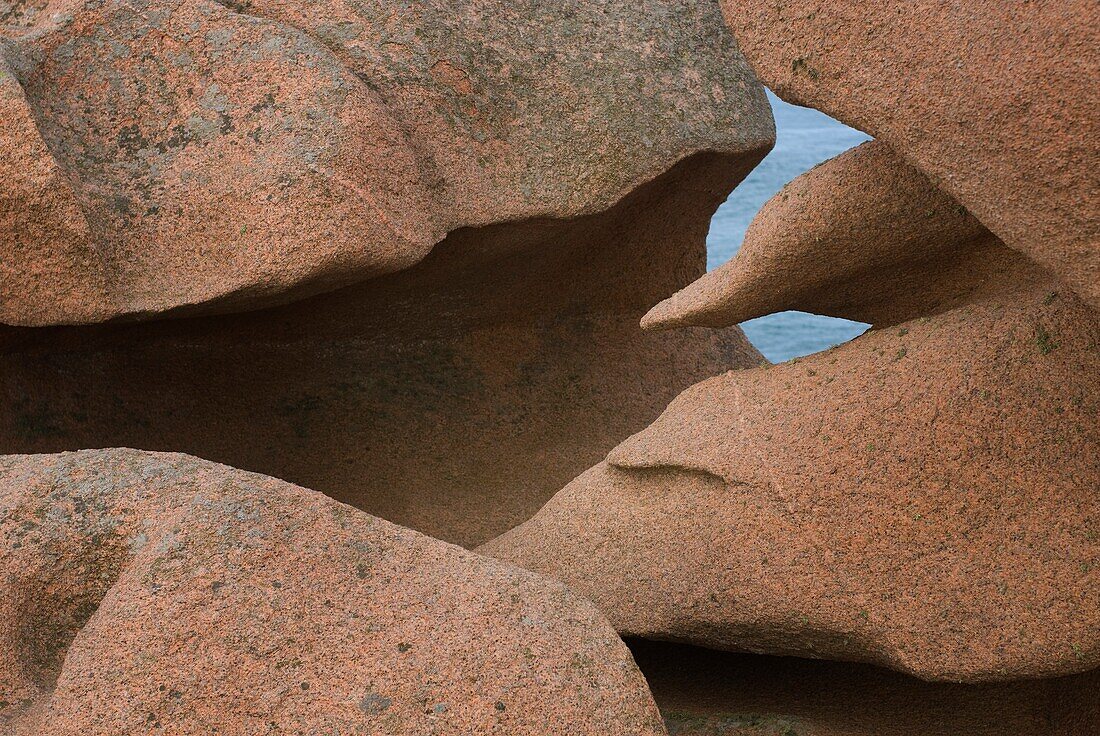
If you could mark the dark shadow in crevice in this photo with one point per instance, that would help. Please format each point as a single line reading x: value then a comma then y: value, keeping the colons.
x: 454, y: 397
x: 703, y: 692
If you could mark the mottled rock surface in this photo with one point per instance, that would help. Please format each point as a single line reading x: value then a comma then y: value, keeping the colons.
x: 707, y: 693
x: 864, y: 236
x: 185, y: 155
x: 923, y: 498
x: 455, y: 397
x: 150, y: 592
x: 996, y: 102
x: 510, y: 186
x: 47, y: 261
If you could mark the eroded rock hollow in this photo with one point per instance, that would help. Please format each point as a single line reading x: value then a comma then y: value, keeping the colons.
x: 453, y: 396
x: 443, y: 264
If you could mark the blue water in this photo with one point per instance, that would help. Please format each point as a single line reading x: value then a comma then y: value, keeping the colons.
x: 804, y: 138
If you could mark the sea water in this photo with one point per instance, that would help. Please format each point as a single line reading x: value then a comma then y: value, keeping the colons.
x: 804, y: 138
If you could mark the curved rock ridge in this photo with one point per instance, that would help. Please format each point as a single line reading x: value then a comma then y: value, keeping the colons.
x: 922, y: 498
x: 863, y: 236
x: 189, y: 155
x: 159, y: 592
x: 996, y: 102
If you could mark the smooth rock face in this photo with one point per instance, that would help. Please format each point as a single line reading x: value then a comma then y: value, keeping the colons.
x: 158, y: 592
x: 185, y: 155
x: 996, y: 102
x: 707, y: 693
x: 455, y: 397
x: 863, y: 236
x: 922, y: 498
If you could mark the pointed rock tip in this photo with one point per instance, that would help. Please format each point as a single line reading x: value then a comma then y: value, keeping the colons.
x: 699, y: 304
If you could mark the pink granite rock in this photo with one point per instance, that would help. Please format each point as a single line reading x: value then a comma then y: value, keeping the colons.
x: 48, y: 260
x: 454, y: 397
x: 185, y: 155
x: 995, y: 101
x: 863, y: 236
x: 921, y: 498
x: 211, y: 156
x: 148, y: 592
x: 513, y: 186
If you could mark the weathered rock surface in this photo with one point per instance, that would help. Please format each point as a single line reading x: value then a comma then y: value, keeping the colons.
x: 864, y: 236
x: 923, y: 498
x: 455, y: 397
x: 995, y: 101
x: 47, y: 261
x: 514, y: 185
x: 185, y: 155
x: 707, y: 693
x: 210, y: 156
x: 150, y: 592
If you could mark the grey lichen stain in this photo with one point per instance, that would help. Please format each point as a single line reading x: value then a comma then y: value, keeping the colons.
x: 373, y: 704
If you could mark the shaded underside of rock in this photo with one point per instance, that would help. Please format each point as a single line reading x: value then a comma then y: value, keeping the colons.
x: 864, y: 236
x: 186, y: 155
x: 708, y: 693
x: 923, y: 498
x: 454, y: 397
x: 995, y: 101
x: 148, y: 592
